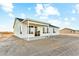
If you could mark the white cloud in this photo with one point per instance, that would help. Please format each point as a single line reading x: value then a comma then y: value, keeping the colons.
x: 7, y: 7
x: 66, y: 19
x: 22, y: 15
x: 68, y: 23
x: 51, y: 11
x: 61, y: 24
x: 55, y: 22
x: 39, y: 8
x: 73, y: 11
x: 46, y: 10
x: 29, y: 8
x: 73, y: 19
x: 76, y: 9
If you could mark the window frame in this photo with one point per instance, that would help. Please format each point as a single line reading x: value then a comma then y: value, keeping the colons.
x: 30, y: 27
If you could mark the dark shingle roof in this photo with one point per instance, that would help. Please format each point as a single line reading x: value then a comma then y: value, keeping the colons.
x: 20, y: 19
x: 28, y: 19
x: 53, y: 26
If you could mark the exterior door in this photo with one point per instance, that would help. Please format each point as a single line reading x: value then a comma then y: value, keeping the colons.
x: 37, y: 33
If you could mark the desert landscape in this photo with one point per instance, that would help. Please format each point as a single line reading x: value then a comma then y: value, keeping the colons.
x: 39, y: 29
x: 59, y: 45
x: 5, y: 35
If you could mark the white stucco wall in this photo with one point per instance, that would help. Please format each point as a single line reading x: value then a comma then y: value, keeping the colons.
x: 17, y: 28
x: 50, y: 30
x: 43, y: 34
x: 25, y: 31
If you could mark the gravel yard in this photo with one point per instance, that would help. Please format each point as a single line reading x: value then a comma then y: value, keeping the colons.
x: 61, y: 45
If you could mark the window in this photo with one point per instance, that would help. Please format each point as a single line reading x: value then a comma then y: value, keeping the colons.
x: 45, y: 29
x: 30, y: 29
x: 20, y: 30
x: 54, y: 30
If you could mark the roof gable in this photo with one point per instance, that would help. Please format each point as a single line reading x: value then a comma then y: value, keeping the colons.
x: 20, y: 19
x: 24, y: 20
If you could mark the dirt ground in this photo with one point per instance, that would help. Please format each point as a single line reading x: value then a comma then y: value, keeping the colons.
x: 61, y: 45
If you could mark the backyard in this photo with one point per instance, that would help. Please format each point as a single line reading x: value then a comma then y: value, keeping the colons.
x: 60, y: 45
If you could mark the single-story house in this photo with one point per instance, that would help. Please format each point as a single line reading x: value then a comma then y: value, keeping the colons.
x: 28, y: 28
x: 67, y: 31
x: 77, y: 31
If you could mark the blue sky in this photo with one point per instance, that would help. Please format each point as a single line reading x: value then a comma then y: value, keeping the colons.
x: 58, y: 14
